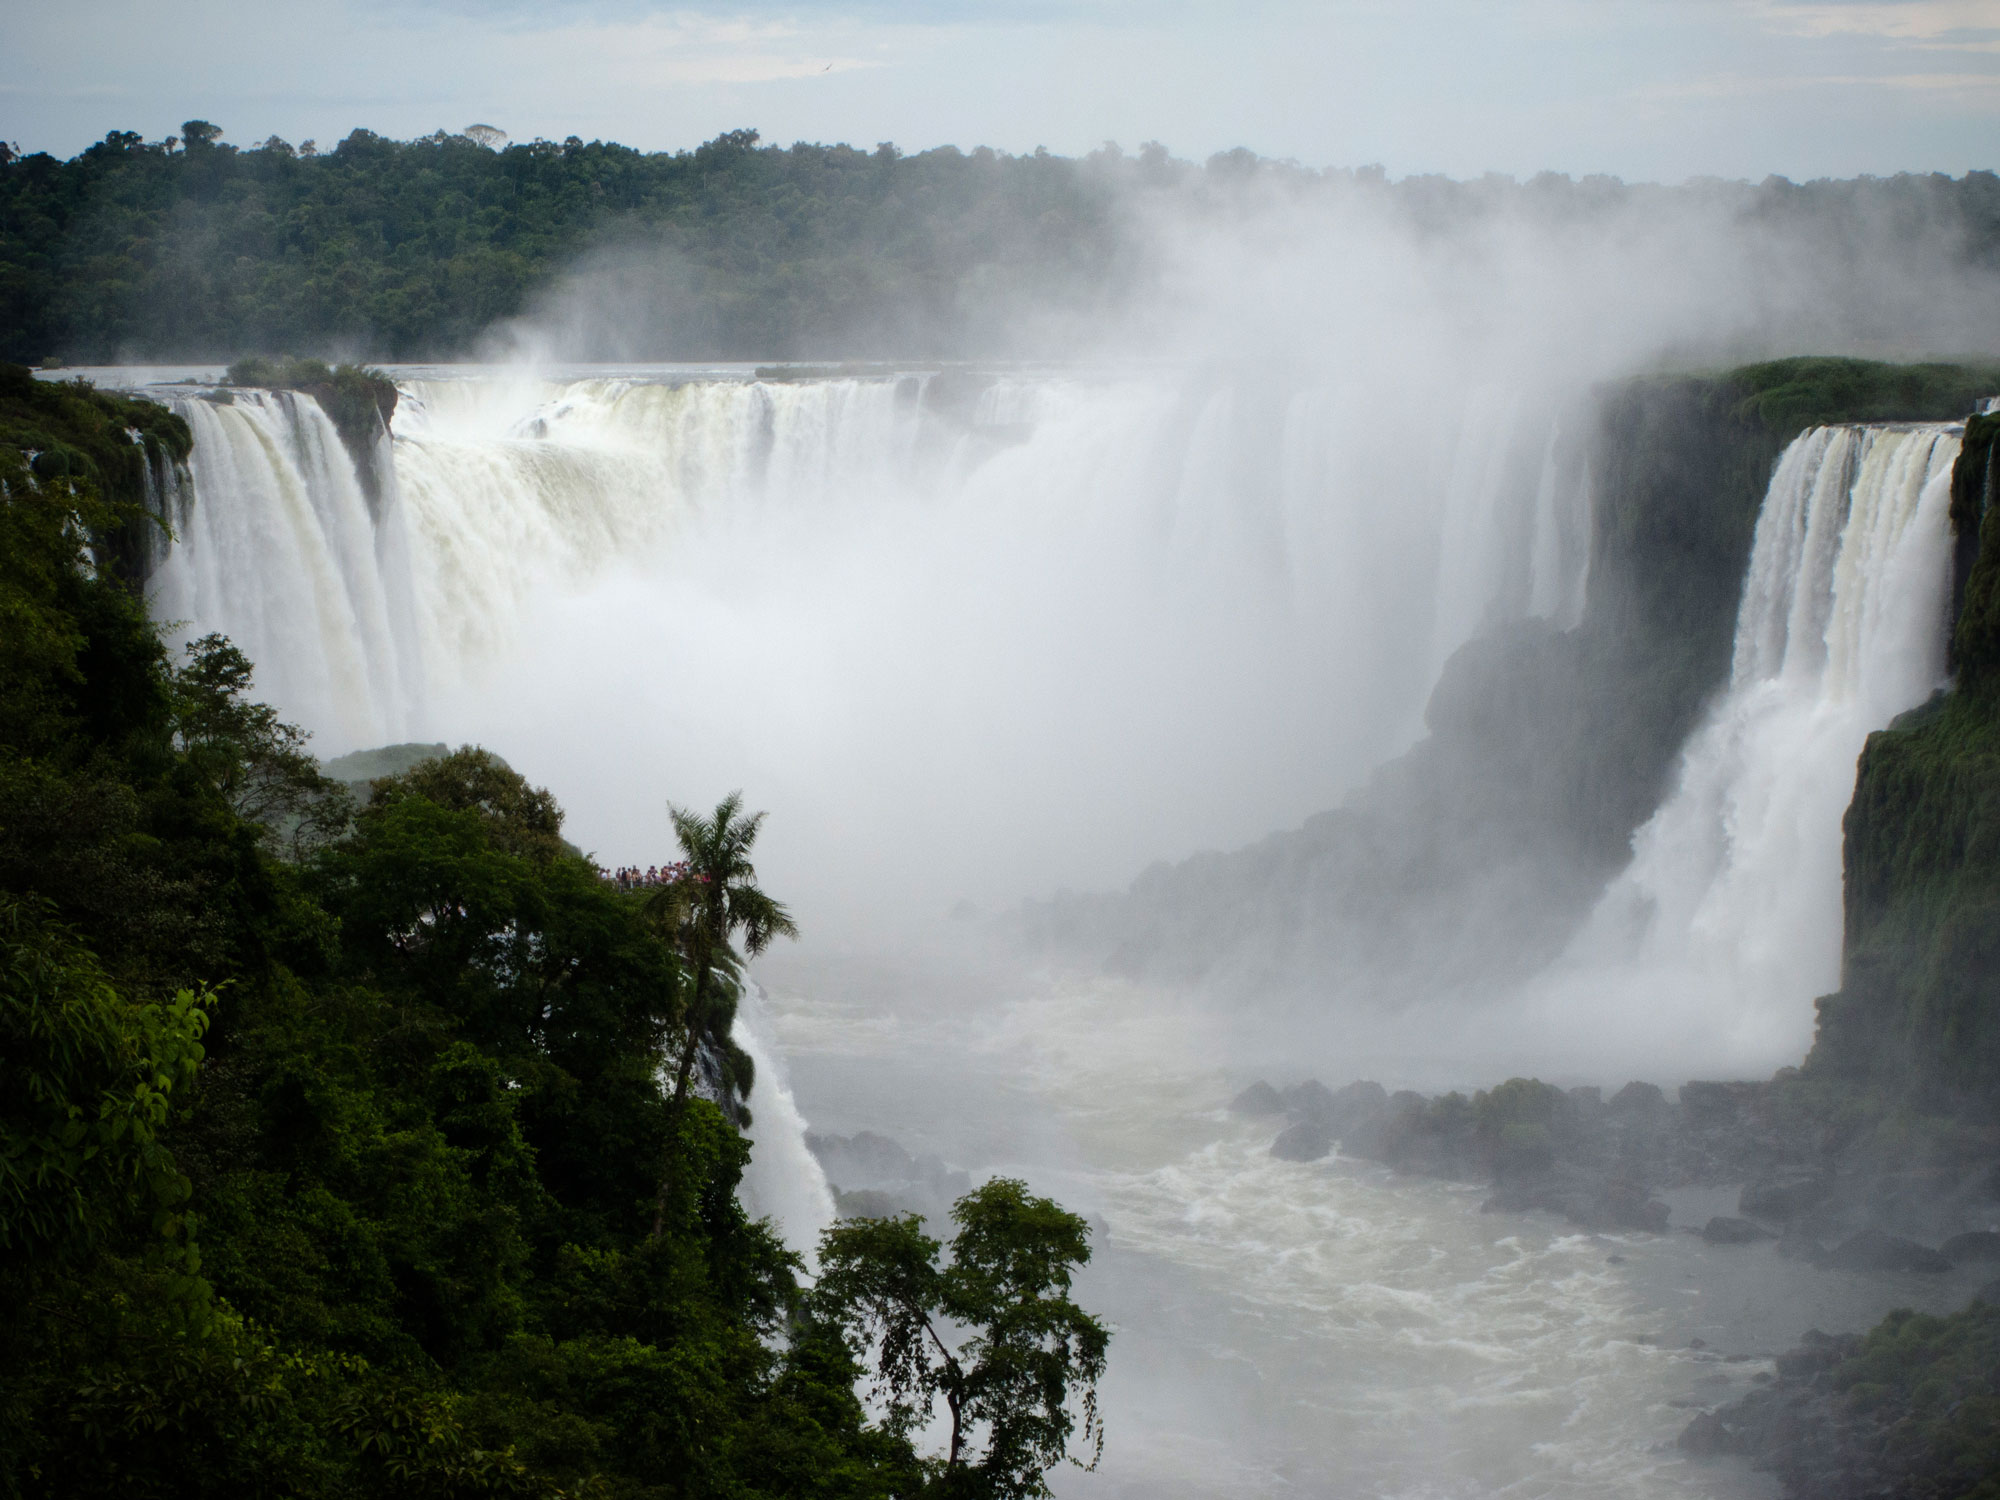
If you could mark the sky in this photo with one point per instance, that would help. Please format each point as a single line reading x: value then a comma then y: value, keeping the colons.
x: 1656, y: 90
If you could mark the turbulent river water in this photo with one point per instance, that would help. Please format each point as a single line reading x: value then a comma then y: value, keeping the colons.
x: 971, y: 639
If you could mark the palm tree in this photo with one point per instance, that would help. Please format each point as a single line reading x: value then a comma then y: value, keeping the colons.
x: 702, y: 913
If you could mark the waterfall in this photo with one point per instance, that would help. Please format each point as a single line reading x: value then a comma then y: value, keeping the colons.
x: 1730, y: 912
x: 276, y: 547
x: 783, y: 1182
x: 1169, y: 609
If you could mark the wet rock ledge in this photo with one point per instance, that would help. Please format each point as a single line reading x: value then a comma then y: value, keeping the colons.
x: 1828, y: 1184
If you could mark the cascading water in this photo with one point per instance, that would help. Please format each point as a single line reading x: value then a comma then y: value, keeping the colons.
x: 783, y: 1181
x: 277, y: 548
x: 1163, y: 611
x: 1727, y: 923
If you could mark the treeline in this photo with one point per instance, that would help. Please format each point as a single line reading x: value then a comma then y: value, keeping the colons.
x: 348, y: 1150
x: 401, y: 250
x: 191, y: 248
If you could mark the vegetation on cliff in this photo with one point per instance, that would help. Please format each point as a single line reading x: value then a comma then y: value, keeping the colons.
x: 359, y: 401
x: 331, y: 1136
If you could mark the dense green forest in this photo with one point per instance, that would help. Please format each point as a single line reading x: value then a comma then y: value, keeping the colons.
x: 190, y: 248
x: 340, y: 1152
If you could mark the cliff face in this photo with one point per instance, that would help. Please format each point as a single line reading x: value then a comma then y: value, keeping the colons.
x: 1471, y: 860
x: 1919, y: 1005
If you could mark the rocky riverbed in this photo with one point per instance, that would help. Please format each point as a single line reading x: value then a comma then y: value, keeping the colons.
x: 1911, y: 1407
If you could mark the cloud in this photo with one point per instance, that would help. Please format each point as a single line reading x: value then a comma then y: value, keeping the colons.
x: 1956, y: 25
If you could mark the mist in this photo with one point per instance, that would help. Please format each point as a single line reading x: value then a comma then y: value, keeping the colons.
x: 1185, y: 591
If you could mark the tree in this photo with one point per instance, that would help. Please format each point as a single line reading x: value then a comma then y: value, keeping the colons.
x: 1030, y: 1352
x: 715, y: 899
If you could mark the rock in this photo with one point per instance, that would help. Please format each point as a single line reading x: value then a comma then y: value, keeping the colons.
x: 1356, y: 1104
x: 1783, y: 1197
x: 1311, y: 1100
x: 1979, y: 1244
x: 1875, y: 1250
x: 1816, y: 1351
x: 1722, y: 1231
x: 1714, y: 1103
x: 1259, y: 1099
x: 1707, y: 1436
x: 1308, y: 1140
x: 1638, y: 1099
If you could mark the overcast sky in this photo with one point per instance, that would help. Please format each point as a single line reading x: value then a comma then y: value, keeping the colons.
x: 1645, y: 89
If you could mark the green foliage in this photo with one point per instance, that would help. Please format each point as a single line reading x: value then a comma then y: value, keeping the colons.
x: 702, y: 913
x: 87, y: 1083
x: 1789, y: 395
x: 1934, y: 1385
x: 359, y: 401
x: 417, y: 248
x: 331, y: 1139
x: 992, y: 1331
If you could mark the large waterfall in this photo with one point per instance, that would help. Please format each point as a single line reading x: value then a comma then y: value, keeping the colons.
x: 925, y: 617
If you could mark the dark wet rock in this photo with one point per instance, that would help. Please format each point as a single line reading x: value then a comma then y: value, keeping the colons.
x: 1308, y: 1140
x: 1725, y: 1231
x: 1784, y: 1196
x: 1877, y: 1250
x: 1816, y: 1351
x: 1383, y: 1136
x: 1361, y: 1101
x: 876, y: 1173
x: 1712, y: 1102
x: 1311, y: 1100
x: 1979, y: 1244
x: 1259, y: 1099
x: 1638, y: 1099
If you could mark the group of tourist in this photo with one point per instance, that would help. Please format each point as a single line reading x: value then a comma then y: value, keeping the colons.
x: 632, y: 878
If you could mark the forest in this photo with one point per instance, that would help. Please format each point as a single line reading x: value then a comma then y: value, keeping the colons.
x: 350, y: 1149
x: 191, y: 248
